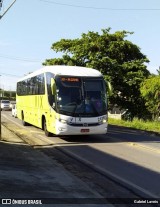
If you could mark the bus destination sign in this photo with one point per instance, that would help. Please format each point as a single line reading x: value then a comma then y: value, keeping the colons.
x: 70, y: 79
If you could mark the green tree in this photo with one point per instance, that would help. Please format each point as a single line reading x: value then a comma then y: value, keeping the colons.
x: 119, y: 60
x: 158, y: 71
x: 150, y: 90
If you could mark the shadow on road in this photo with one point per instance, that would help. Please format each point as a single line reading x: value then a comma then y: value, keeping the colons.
x: 115, y: 134
x: 137, y: 179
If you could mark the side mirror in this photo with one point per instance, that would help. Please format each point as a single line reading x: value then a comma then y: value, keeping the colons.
x: 109, y: 88
x: 53, y: 86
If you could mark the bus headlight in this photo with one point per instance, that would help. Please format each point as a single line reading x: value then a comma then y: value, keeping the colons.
x: 63, y: 121
x: 104, y: 121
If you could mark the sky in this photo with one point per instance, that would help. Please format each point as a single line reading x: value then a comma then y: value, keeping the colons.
x: 30, y: 27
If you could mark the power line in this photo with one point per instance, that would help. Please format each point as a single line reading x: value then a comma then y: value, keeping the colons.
x: 18, y: 58
x: 12, y: 75
x: 99, y: 8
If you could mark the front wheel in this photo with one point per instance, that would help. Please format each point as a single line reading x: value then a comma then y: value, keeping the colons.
x: 46, y: 132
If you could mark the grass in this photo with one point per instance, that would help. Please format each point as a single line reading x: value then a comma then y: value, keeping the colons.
x: 153, y: 126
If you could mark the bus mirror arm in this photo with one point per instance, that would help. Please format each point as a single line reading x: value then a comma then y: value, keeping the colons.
x: 53, y: 86
x: 109, y: 88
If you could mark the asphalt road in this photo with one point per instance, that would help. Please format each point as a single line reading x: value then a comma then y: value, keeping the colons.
x: 126, y: 155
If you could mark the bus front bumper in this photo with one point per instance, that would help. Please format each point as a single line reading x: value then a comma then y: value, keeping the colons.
x: 64, y: 129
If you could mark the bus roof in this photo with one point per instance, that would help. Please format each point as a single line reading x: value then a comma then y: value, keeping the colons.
x: 66, y: 71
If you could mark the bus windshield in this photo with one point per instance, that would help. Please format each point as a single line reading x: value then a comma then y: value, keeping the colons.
x: 81, y: 96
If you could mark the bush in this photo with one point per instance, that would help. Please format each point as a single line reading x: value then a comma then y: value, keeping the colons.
x: 137, y: 124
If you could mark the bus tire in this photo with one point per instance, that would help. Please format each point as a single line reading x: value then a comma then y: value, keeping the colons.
x: 23, y: 122
x: 46, y: 132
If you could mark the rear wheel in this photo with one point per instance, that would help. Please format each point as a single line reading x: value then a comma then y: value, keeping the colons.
x: 47, y: 133
x: 23, y: 122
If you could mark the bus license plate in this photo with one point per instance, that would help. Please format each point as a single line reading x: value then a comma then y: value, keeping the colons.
x: 84, y: 130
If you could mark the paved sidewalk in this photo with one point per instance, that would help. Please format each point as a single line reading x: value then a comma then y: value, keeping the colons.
x: 28, y: 173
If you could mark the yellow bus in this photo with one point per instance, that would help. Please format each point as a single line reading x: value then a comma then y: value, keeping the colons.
x: 63, y: 100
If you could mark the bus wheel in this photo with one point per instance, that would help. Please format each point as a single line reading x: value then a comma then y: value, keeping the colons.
x: 47, y: 133
x: 23, y: 122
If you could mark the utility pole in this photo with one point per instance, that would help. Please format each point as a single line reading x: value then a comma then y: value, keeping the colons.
x: 0, y: 114
x: 0, y: 122
x: 1, y: 15
x: 1, y: 1
x: 1, y: 4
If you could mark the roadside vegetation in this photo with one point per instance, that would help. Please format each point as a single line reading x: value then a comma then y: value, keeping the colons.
x: 122, y: 63
x: 8, y: 95
x: 153, y: 126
